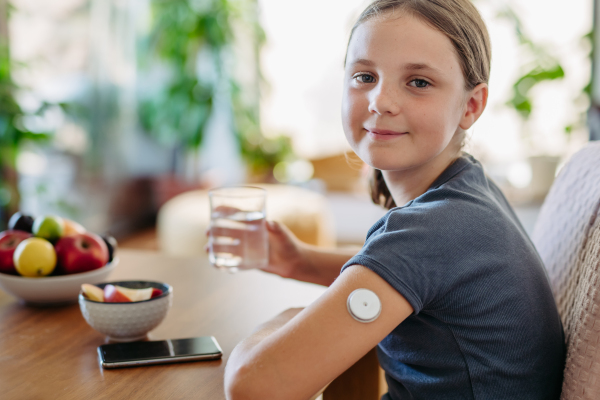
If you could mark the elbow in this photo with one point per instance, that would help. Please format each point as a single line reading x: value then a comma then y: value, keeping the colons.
x: 240, y: 385
x: 234, y: 384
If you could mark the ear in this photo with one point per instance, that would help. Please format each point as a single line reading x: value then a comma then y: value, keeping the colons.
x: 476, y: 102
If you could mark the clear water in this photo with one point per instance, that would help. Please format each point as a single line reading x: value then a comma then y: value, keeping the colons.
x: 247, y: 234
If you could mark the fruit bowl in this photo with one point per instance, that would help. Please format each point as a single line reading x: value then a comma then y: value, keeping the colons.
x: 53, y: 290
x: 127, y: 321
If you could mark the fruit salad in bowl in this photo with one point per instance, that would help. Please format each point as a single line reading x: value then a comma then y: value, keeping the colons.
x: 44, y: 260
x: 126, y: 310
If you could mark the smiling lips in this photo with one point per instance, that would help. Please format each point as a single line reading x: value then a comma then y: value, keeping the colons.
x: 383, y: 134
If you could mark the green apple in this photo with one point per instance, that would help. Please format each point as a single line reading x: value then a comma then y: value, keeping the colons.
x: 49, y: 227
x: 34, y: 257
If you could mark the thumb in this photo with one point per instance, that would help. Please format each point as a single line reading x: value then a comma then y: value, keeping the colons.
x: 273, y: 226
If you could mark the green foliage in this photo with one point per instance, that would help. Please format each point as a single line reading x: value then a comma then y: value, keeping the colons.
x: 586, y: 92
x: 521, y: 100
x: 177, y: 115
x: 12, y: 136
x: 543, y: 67
x: 12, y: 131
x: 588, y: 39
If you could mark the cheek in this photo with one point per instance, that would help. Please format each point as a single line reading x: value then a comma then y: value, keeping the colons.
x: 440, y: 120
x: 352, y: 108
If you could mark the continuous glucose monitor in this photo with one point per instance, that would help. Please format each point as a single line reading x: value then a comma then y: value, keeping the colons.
x: 364, y: 305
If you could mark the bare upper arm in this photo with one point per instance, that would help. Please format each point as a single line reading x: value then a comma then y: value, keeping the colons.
x: 323, y: 340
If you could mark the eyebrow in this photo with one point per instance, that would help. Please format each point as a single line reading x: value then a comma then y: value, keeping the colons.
x: 364, y: 61
x: 408, y: 67
x: 420, y: 67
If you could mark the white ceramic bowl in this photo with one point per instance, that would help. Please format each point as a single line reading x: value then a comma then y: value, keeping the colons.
x: 53, y: 290
x: 125, y: 322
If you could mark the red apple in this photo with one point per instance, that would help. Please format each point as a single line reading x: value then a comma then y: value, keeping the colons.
x: 156, y: 292
x: 113, y: 295
x: 9, y: 240
x: 80, y: 253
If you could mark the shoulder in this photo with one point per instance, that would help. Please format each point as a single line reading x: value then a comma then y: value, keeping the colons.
x: 443, y: 237
x: 462, y: 198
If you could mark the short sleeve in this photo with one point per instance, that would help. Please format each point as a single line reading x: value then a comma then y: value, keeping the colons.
x: 483, y: 310
x: 412, y: 249
x: 442, y: 241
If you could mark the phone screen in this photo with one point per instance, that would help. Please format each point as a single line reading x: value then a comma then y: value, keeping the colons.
x: 159, y: 352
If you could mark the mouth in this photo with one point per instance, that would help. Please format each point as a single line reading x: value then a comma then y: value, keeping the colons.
x: 384, y: 134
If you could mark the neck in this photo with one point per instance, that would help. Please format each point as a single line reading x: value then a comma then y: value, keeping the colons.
x: 407, y: 185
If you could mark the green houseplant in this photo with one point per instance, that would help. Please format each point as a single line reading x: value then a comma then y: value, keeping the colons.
x: 194, y: 41
x: 13, y: 133
x: 540, y: 65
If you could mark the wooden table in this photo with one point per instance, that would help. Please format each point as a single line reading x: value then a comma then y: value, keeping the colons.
x: 50, y: 353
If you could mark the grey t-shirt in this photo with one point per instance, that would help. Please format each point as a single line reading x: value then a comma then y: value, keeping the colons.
x: 485, y: 324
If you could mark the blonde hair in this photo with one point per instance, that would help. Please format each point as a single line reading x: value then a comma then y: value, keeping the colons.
x: 460, y: 21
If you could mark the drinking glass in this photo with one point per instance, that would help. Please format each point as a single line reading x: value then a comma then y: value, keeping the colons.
x: 238, y: 237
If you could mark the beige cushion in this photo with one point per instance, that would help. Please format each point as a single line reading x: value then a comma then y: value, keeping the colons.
x: 567, y: 236
x: 582, y: 371
x: 565, y: 219
x: 182, y: 221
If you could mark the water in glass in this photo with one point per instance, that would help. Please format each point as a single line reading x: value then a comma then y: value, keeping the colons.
x: 247, y: 237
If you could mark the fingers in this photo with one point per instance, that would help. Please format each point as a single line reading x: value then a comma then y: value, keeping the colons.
x: 224, y: 211
x: 280, y: 232
x: 216, y: 231
x: 225, y: 244
x: 228, y: 239
x: 230, y: 249
x: 277, y: 227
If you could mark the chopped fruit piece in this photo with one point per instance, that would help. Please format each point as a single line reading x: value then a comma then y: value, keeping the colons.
x: 120, y: 294
x: 92, y: 292
x: 136, y: 294
x: 112, y: 295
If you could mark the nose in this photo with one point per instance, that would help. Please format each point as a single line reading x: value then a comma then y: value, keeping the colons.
x: 384, y: 99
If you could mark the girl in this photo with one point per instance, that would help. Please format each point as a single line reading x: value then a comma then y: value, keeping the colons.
x: 466, y: 308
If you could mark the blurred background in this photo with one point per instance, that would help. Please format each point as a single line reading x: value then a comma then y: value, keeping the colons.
x: 120, y: 114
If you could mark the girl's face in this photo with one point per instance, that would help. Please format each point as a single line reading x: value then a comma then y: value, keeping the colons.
x: 404, y: 94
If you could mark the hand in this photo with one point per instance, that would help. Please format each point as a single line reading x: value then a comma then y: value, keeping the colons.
x: 286, y: 254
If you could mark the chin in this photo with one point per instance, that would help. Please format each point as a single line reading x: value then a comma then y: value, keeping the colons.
x: 384, y: 159
x: 391, y: 167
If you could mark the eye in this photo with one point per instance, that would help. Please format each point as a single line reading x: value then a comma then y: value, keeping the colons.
x: 419, y: 83
x: 364, y: 78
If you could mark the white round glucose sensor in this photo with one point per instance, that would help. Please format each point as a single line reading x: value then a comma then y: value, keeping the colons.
x: 364, y: 305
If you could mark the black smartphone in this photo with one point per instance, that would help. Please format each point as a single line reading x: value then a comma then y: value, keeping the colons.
x: 134, y: 354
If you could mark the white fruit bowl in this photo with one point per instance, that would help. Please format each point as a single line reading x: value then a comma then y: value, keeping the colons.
x: 126, y: 322
x: 53, y: 290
